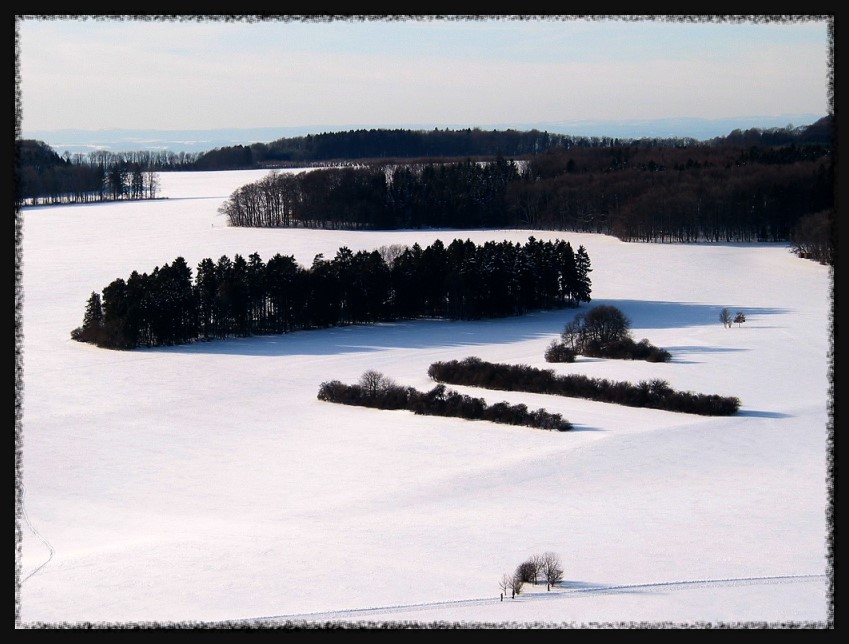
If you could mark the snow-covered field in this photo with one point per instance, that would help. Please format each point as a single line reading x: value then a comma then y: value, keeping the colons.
x: 206, y: 483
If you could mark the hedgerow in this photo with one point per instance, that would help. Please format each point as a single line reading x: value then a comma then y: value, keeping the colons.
x: 654, y: 394
x: 376, y: 391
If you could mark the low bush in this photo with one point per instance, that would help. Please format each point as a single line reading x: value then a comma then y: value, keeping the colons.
x: 627, y: 349
x: 559, y: 352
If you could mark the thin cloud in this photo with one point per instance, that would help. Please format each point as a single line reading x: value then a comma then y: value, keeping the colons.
x: 134, y: 73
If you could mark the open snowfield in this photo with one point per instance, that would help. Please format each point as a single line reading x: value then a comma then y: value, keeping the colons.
x: 206, y: 483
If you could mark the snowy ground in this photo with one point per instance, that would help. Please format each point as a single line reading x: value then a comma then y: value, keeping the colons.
x: 206, y: 483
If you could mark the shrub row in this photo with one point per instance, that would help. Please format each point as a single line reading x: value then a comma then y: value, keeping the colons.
x: 654, y: 394
x: 439, y: 401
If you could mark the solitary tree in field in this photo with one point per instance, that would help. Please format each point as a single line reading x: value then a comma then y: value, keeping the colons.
x: 739, y: 319
x: 725, y: 318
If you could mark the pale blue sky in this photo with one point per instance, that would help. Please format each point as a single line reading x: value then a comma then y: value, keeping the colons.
x: 209, y: 73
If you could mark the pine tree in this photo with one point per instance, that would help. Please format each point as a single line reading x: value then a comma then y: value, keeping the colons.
x: 92, y: 328
x: 206, y: 288
x: 583, y: 283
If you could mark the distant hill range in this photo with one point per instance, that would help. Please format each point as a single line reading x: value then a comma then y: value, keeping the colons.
x: 197, y: 141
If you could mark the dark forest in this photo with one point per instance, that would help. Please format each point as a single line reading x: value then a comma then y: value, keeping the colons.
x: 246, y: 297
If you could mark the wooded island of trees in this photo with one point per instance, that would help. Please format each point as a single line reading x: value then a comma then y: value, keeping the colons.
x: 242, y: 297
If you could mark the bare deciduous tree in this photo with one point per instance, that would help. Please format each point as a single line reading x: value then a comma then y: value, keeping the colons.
x: 602, y: 325
x: 373, y: 382
x: 725, y: 318
x: 552, y: 570
x: 391, y: 252
x: 516, y: 583
x: 527, y: 571
x: 505, y: 583
x: 739, y: 319
x: 571, y: 335
x: 536, y: 561
x: 547, y: 564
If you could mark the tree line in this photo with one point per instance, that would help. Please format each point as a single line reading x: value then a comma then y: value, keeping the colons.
x: 243, y: 297
x: 45, y: 178
x: 394, y: 144
x: 461, y: 194
x: 773, y: 185
x: 635, y: 192
x: 689, y: 194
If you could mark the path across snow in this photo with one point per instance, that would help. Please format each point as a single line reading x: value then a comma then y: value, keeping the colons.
x: 381, y: 613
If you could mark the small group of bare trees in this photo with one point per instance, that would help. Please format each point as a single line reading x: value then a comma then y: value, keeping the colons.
x: 602, y: 332
x: 546, y: 565
x: 727, y: 320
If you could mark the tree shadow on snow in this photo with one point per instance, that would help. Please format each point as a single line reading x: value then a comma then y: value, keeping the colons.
x: 588, y: 587
x: 577, y: 427
x: 754, y: 413
x: 436, y: 333
x: 669, y: 315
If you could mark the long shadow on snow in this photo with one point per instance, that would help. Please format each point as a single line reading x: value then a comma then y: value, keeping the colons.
x: 754, y: 413
x: 646, y: 315
x: 431, y: 334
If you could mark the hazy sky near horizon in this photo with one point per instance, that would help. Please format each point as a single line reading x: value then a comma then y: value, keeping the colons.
x: 207, y: 73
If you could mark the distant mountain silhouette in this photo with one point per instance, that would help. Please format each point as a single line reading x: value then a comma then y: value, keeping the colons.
x: 128, y: 140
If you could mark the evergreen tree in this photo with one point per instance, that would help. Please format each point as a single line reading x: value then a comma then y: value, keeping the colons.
x: 236, y: 290
x: 137, y: 328
x: 206, y: 292
x: 186, y: 301
x: 257, y: 295
x: 408, y: 284
x: 569, y: 285
x: 114, y: 315
x: 92, y: 328
x: 225, y: 325
x: 285, y: 282
x: 583, y: 284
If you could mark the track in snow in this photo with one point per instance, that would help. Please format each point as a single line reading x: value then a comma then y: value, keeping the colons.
x: 363, y: 614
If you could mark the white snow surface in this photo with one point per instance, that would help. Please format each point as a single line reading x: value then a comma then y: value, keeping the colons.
x: 205, y: 484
